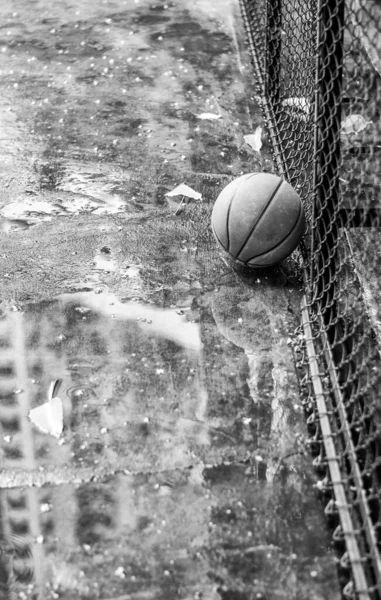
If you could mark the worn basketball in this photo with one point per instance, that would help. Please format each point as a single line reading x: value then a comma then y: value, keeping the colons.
x: 258, y: 219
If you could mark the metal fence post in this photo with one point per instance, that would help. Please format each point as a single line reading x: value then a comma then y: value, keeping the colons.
x: 330, y: 52
x: 273, y: 55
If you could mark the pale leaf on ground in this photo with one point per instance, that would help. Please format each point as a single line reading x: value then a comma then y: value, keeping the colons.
x: 184, y: 190
x: 48, y: 417
x: 254, y: 139
x: 354, y: 124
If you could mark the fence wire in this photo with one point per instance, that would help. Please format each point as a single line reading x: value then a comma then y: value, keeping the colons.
x: 317, y: 65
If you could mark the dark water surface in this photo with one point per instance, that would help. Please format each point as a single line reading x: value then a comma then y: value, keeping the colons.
x: 182, y: 469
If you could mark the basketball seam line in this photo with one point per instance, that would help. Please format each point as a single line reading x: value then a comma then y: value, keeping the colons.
x: 228, y: 215
x: 259, y: 218
x: 282, y: 240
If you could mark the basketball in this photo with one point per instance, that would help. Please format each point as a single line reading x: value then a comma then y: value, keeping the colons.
x: 258, y: 219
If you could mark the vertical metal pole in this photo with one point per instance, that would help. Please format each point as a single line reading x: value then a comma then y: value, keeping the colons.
x: 258, y: 37
x: 273, y: 55
x: 330, y: 53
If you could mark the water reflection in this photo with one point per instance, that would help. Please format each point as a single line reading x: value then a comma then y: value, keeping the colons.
x: 194, y: 533
x: 256, y: 319
x: 132, y: 389
x: 101, y: 540
x: 180, y: 439
x: 171, y: 324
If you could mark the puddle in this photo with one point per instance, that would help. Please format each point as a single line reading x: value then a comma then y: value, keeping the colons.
x: 166, y: 455
x: 95, y: 182
x: 132, y: 390
x: 194, y: 533
x: 146, y: 387
x: 181, y: 465
x: 84, y: 189
x: 7, y: 225
x: 30, y: 210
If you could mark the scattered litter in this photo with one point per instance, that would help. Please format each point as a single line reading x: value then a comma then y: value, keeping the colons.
x: 184, y: 190
x: 254, y: 139
x: 354, y: 124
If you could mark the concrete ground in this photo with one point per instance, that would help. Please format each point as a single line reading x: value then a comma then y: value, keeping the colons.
x: 182, y: 471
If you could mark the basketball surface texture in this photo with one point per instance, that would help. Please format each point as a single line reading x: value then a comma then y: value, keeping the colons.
x: 258, y: 219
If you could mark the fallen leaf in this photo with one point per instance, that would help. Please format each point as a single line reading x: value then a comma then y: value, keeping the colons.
x: 185, y: 190
x: 209, y: 116
x: 48, y: 417
x: 254, y: 139
x: 354, y: 124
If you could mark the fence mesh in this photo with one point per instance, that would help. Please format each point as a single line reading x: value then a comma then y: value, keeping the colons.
x: 317, y: 65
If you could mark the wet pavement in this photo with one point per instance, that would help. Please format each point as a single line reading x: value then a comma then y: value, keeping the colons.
x: 182, y: 470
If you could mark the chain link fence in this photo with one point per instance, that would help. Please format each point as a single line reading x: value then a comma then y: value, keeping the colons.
x: 317, y: 66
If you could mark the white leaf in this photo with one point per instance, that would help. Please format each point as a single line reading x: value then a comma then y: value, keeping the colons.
x: 354, y: 124
x: 209, y: 116
x: 185, y: 190
x: 299, y: 103
x: 48, y: 417
x: 254, y: 139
